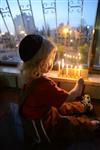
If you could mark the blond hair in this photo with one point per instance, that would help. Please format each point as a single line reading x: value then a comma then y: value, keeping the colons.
x: 33, y: 67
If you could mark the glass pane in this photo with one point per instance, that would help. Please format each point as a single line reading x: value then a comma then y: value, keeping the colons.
x: 97, y: 55
x: 97, y: 27
x: 68, y: 22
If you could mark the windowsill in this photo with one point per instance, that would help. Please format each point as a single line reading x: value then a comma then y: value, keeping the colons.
x: 9, y: 70
x: 11, y: 79
x: 9, y: 63
x: 93, y: 79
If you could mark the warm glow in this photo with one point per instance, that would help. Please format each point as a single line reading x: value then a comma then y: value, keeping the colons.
x: 78, y: 54
x: 68, y: 68
x: 79, y: 70
x: 63, y: 63
x: 2, y: 33
x: 65, y: 31
x: 22, y: 32
x: 71, y: 40
x: 80, y: 66
x: 59, y: 65
x: 73, y: 56
x: 65, y: 54
x: 70, y: 32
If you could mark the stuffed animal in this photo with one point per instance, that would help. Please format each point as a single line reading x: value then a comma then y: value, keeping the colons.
x: 87, y: 101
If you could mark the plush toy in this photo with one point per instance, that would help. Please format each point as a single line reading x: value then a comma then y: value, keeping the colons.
x: 87, y: 101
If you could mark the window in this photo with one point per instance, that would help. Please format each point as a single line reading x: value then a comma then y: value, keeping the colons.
x: 94, y: 54
x: 70, y: 23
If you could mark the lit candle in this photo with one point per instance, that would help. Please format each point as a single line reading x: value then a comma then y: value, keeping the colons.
x: 65, y: 54
x: 71, y: 70
x: 68, y: 56
x: 73, y: 57
x: 78, y: 54
x: 59, y: 65
x: 75, y: 71
x: 79, y: 57
x: 79, y: 70
x: 63, y: 64
x: 67, y: 70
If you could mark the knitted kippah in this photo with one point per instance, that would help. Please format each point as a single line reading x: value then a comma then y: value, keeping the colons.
x: 29, y: 46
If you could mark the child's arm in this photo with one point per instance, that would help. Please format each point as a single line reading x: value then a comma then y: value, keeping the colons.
x: 76, y: 91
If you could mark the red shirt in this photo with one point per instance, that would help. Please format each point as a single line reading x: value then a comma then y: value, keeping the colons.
x: 45, y: 94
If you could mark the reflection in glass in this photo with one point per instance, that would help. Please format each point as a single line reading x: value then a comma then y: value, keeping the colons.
x: 69, y: 23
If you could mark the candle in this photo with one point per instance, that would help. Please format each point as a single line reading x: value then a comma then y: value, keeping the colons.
x: 79, y: 57
x: 75, y: 71
x: 79, y: 70
x: 74, y: 57
x: 59, y: 65
x: 63, y: 64
x: 71, y: 70
x: 65, y: 54
x: 67, y: 70
x: 78, y: 54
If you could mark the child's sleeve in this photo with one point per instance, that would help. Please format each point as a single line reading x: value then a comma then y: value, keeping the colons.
x: 56, y: 95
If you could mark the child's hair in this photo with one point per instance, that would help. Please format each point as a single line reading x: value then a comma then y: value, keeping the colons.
x: 34, y: 49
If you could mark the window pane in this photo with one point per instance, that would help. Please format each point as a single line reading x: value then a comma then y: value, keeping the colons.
x: 97, y: 27
x: 97, y: 55
x: 68, y: 22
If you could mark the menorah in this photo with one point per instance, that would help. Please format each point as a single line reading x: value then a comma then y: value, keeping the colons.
x: 71, y: 70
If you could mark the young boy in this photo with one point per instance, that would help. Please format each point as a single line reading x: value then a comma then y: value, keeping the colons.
x: 60, y: 118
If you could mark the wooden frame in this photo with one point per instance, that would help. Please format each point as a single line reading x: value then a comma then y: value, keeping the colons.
x: 92, y: 50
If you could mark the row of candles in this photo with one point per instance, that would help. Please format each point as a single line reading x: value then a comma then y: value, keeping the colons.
x: 77, y: 57
x: 70, y: 70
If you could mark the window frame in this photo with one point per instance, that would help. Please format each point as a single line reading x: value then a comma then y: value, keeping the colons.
x: 92, y: 51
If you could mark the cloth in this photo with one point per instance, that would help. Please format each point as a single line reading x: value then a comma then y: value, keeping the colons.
x: 45, y: 95
x: 69, y: 124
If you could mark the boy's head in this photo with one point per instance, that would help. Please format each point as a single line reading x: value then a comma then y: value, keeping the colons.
x: 38, y: 50
x: 29, y: 46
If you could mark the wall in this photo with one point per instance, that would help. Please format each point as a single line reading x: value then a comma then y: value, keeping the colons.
x: 92, y: 90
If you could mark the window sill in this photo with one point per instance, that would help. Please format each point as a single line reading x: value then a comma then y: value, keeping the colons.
x: 9, y: 70
x: 92, y: 84
x: 12, y: 76
x: 93, y: 79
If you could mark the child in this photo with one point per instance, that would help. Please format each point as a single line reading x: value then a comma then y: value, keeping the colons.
x: 47, y: 102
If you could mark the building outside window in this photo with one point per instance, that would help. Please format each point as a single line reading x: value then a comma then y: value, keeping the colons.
x: 72, y: 24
